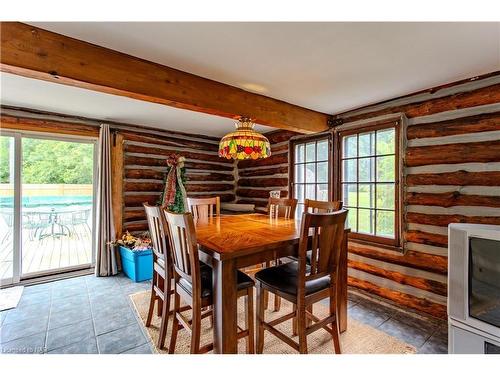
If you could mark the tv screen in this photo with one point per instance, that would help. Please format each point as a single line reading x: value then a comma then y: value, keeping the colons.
x: 484, y: 280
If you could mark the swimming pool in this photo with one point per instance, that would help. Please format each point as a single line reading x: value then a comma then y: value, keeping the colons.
x: 52, y: 201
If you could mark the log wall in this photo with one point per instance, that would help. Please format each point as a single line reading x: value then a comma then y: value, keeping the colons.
x: 144, y: 168
x: 452, y: 175
x: 256, y: 178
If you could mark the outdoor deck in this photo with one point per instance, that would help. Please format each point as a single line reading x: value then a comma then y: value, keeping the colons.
x: 48, y: 253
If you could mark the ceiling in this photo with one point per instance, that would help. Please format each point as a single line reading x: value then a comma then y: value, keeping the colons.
x: 328, y: 67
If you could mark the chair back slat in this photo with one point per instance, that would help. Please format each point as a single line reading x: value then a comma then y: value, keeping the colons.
x: 282, y: 207
x: 322, y: 233
x: 157, y: 232
x: 204, y: 208
x: 321, y: 206
x: 182, y: 235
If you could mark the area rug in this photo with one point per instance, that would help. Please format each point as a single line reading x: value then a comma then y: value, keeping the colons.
x: 358, y: 339
x: 9, y: 297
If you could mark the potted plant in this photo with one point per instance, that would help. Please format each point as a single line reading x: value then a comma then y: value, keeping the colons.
x: 137, y: 256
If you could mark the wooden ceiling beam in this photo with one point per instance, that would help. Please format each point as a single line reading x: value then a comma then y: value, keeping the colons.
x: 36, y: 53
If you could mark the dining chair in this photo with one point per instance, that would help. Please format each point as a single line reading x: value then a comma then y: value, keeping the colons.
x: 193, y: 283
x: 282, y: 207
x: 161, y: 288
x: 204, y: 208
x: 285, y: 208
x: 321, y: 206
x: 304, y: 284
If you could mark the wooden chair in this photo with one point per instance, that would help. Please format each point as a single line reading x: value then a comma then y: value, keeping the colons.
x: 282, y: 207
x: 285, y: 208
x: 203, y: 208
x: 321, y: 206
x: 304, y: 284
x: 193, y: 282
x: 161, y: 289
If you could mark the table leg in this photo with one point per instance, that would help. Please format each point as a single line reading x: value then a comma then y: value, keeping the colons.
x: 225, y: 307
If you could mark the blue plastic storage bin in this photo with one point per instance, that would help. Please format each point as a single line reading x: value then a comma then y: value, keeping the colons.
x: 137, y: 265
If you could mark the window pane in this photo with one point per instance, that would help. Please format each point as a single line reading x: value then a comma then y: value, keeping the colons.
x: 299, y: 153
x: 385, y: 196
x: 322, y: 172
x: 350, y: 170
x: 299, y: 192
x: 386, y: 169
x: 299, y: 173
x: 310, y: 191
x: 349, y: 195
x: 351, y: 219
x: 322, y: 150
x: 367, y: 144
x: 385, y: 223
x: 386, y: 141
x: 322, y: 192
x: 310, y: 172
x: 366, y: 219
x: 310, y: 151
x: 366, y: 195
x: 350, y: 146
x: 367, y: 170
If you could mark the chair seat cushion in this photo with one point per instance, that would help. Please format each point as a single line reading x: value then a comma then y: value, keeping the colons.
x: 244, y: 281
x: 285, y: 279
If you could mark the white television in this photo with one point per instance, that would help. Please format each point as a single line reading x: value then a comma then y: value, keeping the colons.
x: 474, y: 284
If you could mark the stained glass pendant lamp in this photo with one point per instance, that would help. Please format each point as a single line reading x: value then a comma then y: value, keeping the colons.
x: 244, y: 143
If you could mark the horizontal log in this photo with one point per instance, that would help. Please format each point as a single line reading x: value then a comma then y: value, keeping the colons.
x: 187, y: 154
x: 221, y: 177
x: 165, y: 140
x: 143, y: 186
x: 138, y: 200
x: 47, y: 126
x: 481, y: 96
x: 272, y: 160
x: 421, y: 304
x: 263, y: 182
x: 432, y: 286
x: 278, y: 136
x: 253, y: 193
x: 145, y: 174
x: 280, y: 148
x: 134, y: 215
x: 159, y: 175
x: 413, y: 259
x: 262, y: 172
x: 41, y: 54
x: 153, y: 162
x: 451, y: 199
x: 224, y: 197
x: 425, y: 238
x: 445, y: 220
x: 481, y: 152
x: 190, y: 188
x: 465, y: 125
x: 458, y: 178
x: 135, y: 227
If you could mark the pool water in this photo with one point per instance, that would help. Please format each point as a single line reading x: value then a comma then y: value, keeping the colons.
x: 53, y: 201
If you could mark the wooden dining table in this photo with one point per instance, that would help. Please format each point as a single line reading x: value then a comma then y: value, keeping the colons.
x: 232, y: 242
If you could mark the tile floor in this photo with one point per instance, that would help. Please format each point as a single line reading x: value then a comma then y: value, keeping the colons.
x: 95, y: 315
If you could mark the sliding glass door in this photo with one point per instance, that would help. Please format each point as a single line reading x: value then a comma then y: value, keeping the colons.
x: 9, y: 259
x: 50, y: 230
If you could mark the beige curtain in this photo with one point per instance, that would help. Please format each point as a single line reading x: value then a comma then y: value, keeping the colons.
x: 106, y: 259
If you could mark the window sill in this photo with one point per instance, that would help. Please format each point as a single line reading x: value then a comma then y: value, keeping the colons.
x: 395, y: 248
